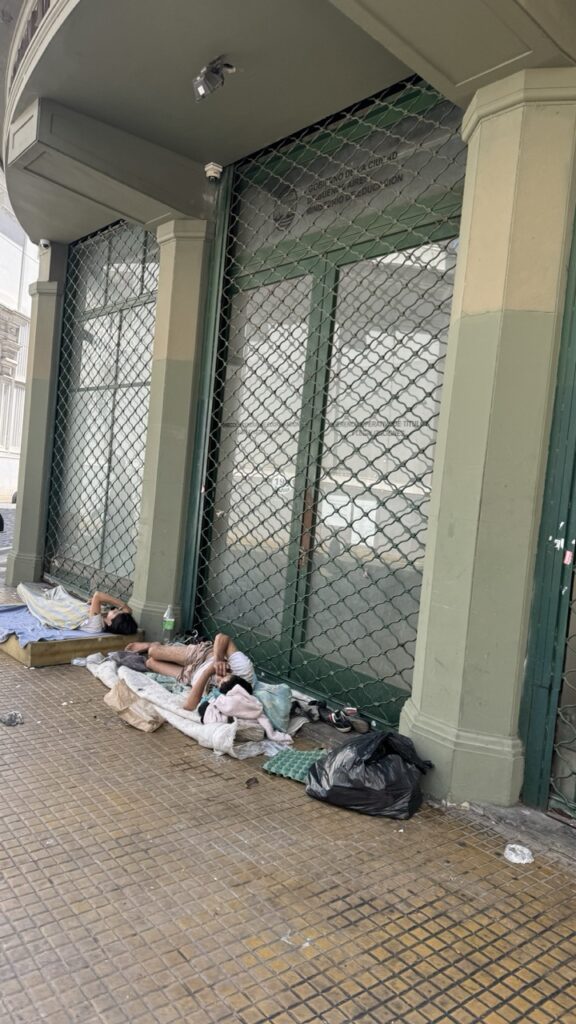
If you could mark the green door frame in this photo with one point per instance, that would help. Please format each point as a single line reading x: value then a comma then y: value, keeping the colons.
x: 554, y: 569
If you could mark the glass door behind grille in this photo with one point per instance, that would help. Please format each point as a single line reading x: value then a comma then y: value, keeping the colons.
x: 258, y: 448
x: 324, y: 460
x: 361, y: 557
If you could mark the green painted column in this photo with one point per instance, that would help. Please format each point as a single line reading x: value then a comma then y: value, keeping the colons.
x: 177, y: 341
x: 25, y: 560
x: 491, y: 453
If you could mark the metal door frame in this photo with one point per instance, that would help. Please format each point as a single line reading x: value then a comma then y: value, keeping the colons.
x: 554, y: 569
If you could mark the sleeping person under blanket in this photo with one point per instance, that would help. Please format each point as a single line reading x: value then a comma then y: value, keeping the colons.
x: 59, y: 609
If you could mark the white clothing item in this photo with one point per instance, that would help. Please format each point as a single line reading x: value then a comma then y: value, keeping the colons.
x: 241, y: 666
x: 93, y: 624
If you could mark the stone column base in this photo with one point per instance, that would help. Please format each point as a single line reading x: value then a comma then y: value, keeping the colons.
x: 467, y: 765
x: 149, y: 615
x: 21, y: 568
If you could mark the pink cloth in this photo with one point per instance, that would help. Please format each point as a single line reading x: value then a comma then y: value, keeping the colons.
x: 240, y: 704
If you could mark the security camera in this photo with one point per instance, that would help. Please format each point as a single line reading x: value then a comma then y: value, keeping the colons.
x: 213, y: 172
x: 44, y: 243
x: 211, y: 77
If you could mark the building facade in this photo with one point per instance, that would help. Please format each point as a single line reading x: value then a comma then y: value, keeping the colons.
x: 18, y: 268
x: 322, y: 400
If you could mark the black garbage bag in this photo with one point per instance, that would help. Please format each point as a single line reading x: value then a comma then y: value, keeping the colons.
x: 377, y: 774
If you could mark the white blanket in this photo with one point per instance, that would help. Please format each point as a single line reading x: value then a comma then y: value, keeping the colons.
x: 220, y: 737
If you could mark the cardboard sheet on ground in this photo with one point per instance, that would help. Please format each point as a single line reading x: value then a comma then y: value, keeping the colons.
x: 220, y: 737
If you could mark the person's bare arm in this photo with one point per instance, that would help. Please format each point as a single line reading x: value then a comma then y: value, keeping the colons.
x: 221, y: 650
x: 198, y: 686
x: 99, y: 598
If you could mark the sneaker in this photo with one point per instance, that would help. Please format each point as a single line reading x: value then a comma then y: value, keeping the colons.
x: 339, y: 721
x: 312, y: 711
x: 308, y: 711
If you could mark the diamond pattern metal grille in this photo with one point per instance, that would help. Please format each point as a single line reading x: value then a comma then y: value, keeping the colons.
x: 102, y: 409
x: 562, y: 798
x: 332, y: 342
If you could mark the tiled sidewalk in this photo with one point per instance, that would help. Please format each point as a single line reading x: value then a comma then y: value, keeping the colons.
x: 144, y: 882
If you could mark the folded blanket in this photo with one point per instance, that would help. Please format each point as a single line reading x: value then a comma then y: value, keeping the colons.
x: 239, y: 704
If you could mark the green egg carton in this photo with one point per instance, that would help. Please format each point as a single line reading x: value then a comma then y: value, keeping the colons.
x: 293, y: 764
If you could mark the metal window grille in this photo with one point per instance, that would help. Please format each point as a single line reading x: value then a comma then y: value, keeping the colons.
x: 102, y: 409
x: 562, y: 796
x: 331, y: 346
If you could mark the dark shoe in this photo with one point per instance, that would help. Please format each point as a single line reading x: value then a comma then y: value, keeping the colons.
x: 339, y: 721
x: 309, y: 711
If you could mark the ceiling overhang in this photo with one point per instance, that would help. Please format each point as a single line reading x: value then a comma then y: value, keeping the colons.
x: 74, y: 173
x: 461, y: 46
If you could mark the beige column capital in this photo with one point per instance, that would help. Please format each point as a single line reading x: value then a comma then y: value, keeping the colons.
x: 54, y: 288
x: 181, y: 228
x: 533, y: 86
x: 519, y: 193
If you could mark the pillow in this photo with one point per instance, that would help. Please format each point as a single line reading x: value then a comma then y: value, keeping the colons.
x: 276, y: 699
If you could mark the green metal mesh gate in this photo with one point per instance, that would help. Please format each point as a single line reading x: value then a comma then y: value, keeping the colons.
x: 332, y: 338
x: 102, y: 409
x: 562, y: 797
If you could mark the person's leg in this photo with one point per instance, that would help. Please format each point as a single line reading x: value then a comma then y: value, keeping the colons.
x: 176, y: 654
x: 163, y: 668
x: 167, y: 659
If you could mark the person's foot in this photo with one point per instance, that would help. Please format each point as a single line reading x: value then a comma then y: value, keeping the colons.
x: 139, y: 647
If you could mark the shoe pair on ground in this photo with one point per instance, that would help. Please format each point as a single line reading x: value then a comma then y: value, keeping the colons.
x: 318, y: 710
x: 345, y: 722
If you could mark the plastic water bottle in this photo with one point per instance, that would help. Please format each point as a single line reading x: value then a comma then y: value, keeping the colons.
x: 168, y: 625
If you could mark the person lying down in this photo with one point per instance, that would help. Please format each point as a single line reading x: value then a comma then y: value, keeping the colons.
x: 59, y: 609
x: 219, y: 676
